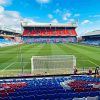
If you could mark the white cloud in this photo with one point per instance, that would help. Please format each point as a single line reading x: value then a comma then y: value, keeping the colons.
x: 86, y: 22
x: 66, y: 16
x: 50, y: 16
x: 57, y: 11
x: 72, y: 20
x: 9, y: 19
x: 43, y: 1
x: 12, y: 19
x: 12, y: 14
x: 1, y: 9
x: 77, y: 15
x: 4, y: 2
x: 28, y: 20
x: 54, y: 21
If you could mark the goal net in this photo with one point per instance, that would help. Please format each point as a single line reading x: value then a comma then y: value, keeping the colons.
x: 55, y: 64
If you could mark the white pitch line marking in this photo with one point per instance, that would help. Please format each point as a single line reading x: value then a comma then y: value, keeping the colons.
x: 7, y: 66
x: 93, y: 63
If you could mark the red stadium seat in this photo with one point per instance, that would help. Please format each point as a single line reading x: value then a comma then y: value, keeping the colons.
x: 50, y: 32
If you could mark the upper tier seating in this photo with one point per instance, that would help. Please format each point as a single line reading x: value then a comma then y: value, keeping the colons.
x: 50, y: 88
x: 49, y: 32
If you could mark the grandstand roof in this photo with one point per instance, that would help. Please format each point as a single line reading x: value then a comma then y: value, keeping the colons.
x: 9, y: 30
x: 27, y: 24
x: 96, y: 32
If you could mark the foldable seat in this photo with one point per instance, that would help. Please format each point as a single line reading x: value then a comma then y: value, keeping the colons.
x: 31, y: 97
x: 61, y: 95
x: 57, y: 32
x: 92, y: 94
x: 83, y: 94
x: 41, y: 92
x: 72, y: 95
x: 22, y: 93
x: 2, y: 91
x: 95, y: 89
x: 3, y: 95
x: 50, y: 33
x: 10, y: 90
x: 87, y: 89
x: 80, y: 90
x: 66, y: 32
x: 15, y: 94
x: 40, y: 97
x: 51, y: 96
x: 17, y: 98
x: 5, y: 98
x: 73, y: 32
x: 31, y: 93
x: 60, y: 91
x: 25, y: 33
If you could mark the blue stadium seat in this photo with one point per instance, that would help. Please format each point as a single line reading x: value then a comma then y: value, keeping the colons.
x: 50, y: 89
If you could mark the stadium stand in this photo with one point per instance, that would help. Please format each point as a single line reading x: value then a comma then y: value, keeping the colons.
x: 92, y: 38
x: 49, y: 34
x: 51, y: 88
x: 9, y: 37
x: 49, y: 40
x: 6, y: 42
x: 92, y: 42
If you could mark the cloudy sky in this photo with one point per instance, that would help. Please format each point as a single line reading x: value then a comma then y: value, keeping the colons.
x: 86, y: 12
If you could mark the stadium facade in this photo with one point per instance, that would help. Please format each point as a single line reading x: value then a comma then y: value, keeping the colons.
x: 49, y: 33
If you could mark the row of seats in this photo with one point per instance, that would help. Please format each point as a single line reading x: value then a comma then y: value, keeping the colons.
x: 49, y: 88
x: 5, y: 42
x: 49, y: 40
x: 64, y: 32
x: 92, y: 42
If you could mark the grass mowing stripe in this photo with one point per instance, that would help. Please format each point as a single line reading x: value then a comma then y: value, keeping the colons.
x: 27, y: 57
x: 90, y: 55
x: 93, y: 63
x: 10, y: 67
x: 83, y: 54
x: 91, y: 48
x: 80, y: 54
x: 9, y: 59
x: 56, y: 50
x: 7, y: 66
x: 45, y: 50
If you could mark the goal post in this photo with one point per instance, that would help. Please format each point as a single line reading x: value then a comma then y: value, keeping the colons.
x: 54, y: 64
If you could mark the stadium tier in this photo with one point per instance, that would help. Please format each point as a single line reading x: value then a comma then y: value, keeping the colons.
x: 9, y: 38
x: 5, y: 42
x: 51, y: 88
x: 49, y: 34
x: 92, y: 38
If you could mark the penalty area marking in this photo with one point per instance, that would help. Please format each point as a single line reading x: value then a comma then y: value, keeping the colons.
x: 7, y: 66
x: 93, y: 62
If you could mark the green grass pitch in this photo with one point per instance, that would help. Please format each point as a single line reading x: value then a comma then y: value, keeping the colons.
x: 13, y: 58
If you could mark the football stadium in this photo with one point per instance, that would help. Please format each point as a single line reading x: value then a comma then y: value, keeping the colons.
x: 48, y: 61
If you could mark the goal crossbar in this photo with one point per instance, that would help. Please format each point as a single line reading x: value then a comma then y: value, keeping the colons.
x: 52, y: 64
